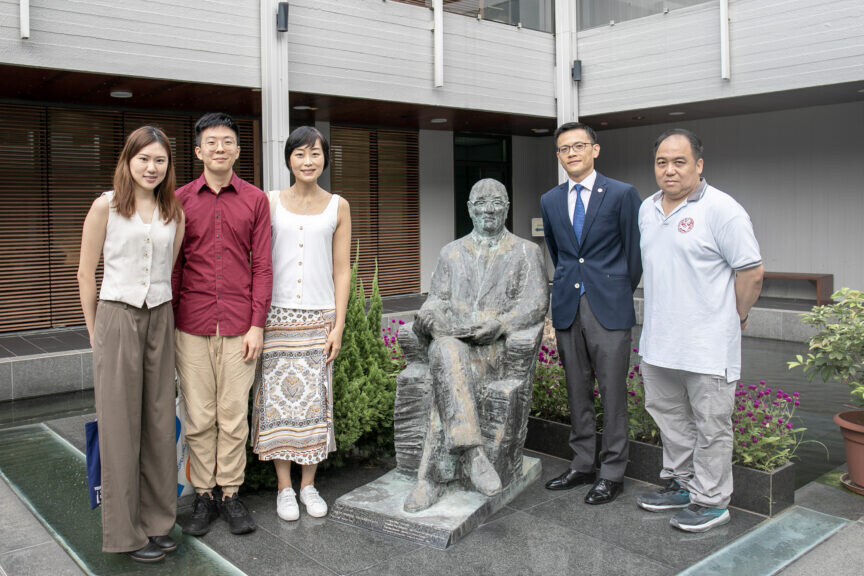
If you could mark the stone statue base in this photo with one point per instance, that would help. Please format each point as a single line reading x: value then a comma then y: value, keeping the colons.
x: 377, y: 506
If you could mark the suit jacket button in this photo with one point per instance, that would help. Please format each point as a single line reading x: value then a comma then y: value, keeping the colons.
x: 581, y: 260
x: 576, y: 285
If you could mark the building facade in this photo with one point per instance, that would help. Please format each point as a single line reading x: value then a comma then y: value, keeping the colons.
x: 422, y: 97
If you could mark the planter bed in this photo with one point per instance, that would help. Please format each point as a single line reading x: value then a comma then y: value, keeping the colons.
x: 766, y: 493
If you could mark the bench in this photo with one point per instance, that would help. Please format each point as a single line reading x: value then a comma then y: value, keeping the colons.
x: 824, y: 283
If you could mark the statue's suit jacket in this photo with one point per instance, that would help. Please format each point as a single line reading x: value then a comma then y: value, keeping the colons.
x: 512, y: 287
x: 607, y: 259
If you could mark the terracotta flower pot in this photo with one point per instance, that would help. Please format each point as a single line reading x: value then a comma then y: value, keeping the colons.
x: 852, y: 427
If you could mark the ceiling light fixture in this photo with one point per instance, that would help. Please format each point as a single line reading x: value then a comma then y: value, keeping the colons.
x: 540, y: 130
x: 640, y: 117
x: 119, y: 93
x: 438, y: 121
x: 302, y: 107
x: 676, y: 113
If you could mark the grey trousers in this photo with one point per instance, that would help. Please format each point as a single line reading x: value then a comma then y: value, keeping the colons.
x: 694, y: 414
x: 588, y: 349
x: 133, y: 373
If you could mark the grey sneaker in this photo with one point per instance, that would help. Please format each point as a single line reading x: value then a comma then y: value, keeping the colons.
x: 697, y: 518
x: 670, y: 496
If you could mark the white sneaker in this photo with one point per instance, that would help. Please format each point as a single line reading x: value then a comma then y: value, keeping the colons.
x: 315, y: 505
x: 286, y: 505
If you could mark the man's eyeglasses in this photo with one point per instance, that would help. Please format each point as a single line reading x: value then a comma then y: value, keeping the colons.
x: 576, y: 146
x: 497, y: 204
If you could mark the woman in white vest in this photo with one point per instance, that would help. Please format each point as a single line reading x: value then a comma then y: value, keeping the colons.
x: 137, y: 228
x: 292, y: 417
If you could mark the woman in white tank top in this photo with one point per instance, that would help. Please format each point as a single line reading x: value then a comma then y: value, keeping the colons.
x: 292, y: 416
x: 137, y: 228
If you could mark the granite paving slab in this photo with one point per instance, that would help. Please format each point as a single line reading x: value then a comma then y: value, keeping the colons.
x: 521, y: 544
x: 649, y: 534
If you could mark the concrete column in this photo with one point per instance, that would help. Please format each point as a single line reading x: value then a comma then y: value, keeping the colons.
x: 565, y: 53
x: 275, y: 104
x: 566, y: 93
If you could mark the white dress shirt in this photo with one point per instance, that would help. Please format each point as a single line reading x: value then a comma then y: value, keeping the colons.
x: 587, y: 186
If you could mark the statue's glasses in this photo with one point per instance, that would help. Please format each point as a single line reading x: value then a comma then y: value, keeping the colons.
x: 496, y: 204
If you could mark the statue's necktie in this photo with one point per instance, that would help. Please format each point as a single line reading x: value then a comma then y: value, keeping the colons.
x: 578, y: 213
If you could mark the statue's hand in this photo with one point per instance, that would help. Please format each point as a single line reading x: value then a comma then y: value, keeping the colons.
x: 487, y: 332
x: 428, y: 323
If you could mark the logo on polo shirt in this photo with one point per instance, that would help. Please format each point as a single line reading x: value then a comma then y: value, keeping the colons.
x: 685, y: 225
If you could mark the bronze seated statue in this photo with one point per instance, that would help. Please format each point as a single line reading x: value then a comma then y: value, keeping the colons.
x: 462, y: 402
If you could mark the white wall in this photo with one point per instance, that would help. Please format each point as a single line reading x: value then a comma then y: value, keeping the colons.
x: 209, y: 41
x: 673, y: 58
x: 383, y: 51
x: 437, y: 216
x: 798, y: 173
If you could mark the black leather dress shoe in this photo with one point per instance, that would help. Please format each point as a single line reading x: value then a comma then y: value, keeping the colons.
x: 166, y: 543
x: 149, y: 553
x: 604, y: 491
x: 570, y: 479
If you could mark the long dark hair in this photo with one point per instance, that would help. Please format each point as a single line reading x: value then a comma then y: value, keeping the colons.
x: 124, y: 187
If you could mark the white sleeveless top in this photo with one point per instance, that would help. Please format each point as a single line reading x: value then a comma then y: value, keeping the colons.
x: 137, y: 258
x: 303, y: 256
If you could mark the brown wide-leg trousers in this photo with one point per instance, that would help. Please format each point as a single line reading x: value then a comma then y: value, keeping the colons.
x: 133, y: 373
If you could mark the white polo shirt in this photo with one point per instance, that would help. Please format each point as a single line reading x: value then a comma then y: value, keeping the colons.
x: 689, y: 259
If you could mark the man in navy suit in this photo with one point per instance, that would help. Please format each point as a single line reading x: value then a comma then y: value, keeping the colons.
x: 591, y: 227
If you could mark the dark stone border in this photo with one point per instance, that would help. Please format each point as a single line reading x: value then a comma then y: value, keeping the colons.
x: 766, y: 493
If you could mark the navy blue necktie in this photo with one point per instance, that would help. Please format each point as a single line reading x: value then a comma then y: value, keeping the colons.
x: 578, y: 213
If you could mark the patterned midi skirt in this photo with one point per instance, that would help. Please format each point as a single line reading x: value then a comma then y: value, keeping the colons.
x: 292, y: 413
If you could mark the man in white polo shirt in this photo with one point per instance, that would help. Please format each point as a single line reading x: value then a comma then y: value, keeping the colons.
x: 702, y: 274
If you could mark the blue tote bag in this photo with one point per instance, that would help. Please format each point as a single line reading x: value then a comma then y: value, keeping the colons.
x: 94, y: 464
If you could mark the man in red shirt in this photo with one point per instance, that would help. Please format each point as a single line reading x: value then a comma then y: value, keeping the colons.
x: 222, y: 285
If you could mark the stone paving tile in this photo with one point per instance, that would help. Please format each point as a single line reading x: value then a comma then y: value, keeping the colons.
x: 45, y: 558
x: 341, y: 548
x: 536, y: 493
x: 646, y: 533
x: 261, y: 553
x: 19, y: 528
x: 831, y: 500
x: 521, y: 544
x: 49, y: 343
x: 840, y: 555
x: 20, y: 346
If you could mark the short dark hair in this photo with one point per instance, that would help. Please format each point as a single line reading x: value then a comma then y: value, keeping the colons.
x: 575, y: 126
x: 212, y: 120
x: 306, y: 136
x: 695, y: 142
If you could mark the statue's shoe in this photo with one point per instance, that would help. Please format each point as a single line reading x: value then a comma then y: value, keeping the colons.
x: 483, y: 474
x: 424, y: 495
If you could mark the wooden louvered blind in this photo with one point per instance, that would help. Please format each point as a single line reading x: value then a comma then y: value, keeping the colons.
x: 377, y: 171
x: 54, y: 162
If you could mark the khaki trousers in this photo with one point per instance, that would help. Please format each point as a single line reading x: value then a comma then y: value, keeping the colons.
x: 694, y: 414
x: 215, y: 382
x: 133, y: 374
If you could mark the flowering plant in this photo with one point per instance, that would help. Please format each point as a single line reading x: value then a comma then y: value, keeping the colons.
x: 391, y: 342
x: 550, y: 388
x: 765, y: 437
x: 642, y: 426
